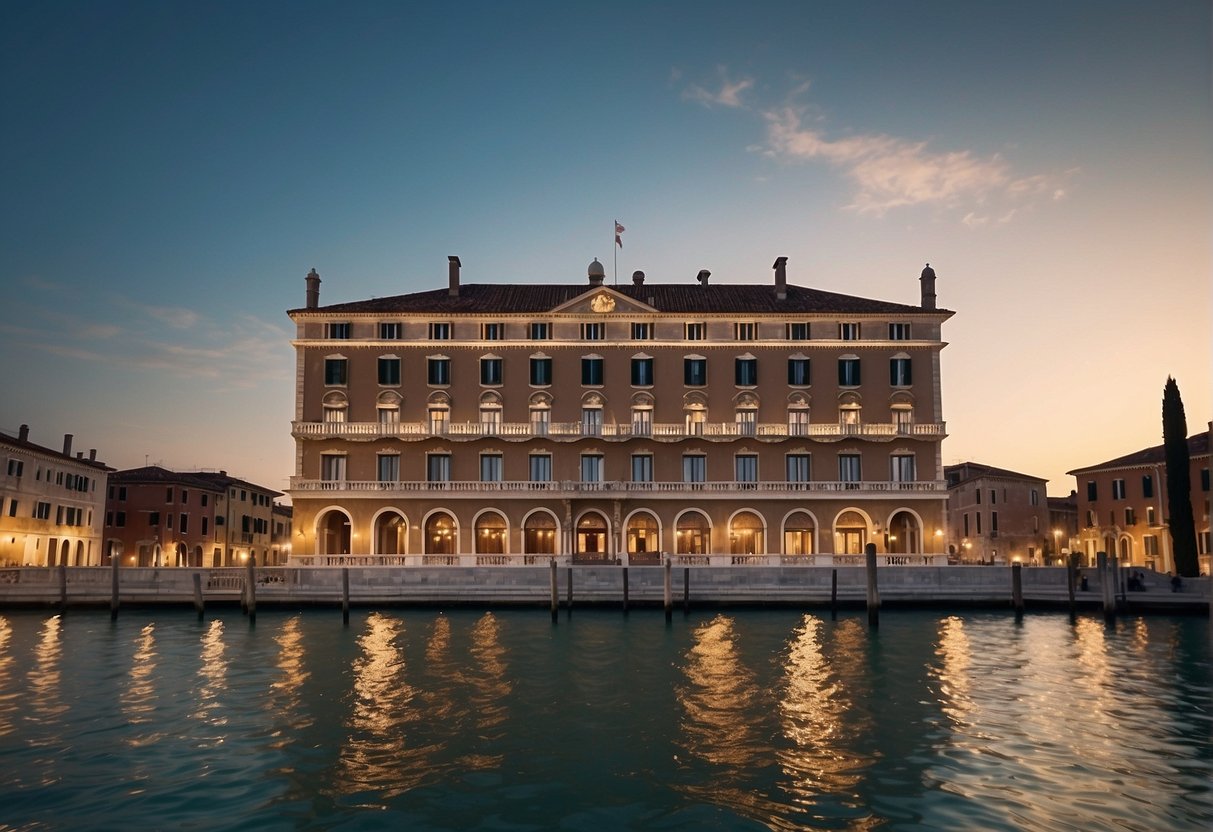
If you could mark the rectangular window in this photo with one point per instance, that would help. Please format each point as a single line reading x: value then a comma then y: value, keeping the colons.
x: 642, y: 468
x: 438, y: 468
x: 42, y: 511
x: 339, y: 331
x: 1150, y: 542
x: 205, y: 524
x: 389, y: 331
x: 745, y: 468
x: 979, y: 522
x: 694, y: 468
x: 902, y: 468
x: 642, y: 372
x: 593, y: 332
x: 745, y: 331
x: 541, y: 468
x: 900, y: 372
x: 798, y: 332
x: 332, y: 467
x: 541, y: 372
x: 184, y: 525
x: 747, y: 422
x: 799, y: 467
x: 966, y: 518
x: 492, y: 332
x: 1147, y: 486
x: 1092, y: 491
x: 993, y: 522
x: 848, y: 331
x: 12, y: 508
x: 440, y: 332
x: 438, y: 371
x: 153, y: 517
x: 1130, y: 517
x: 541, y: 421
x: 1118, y: 489
x: 16, y: 466
x: 899, y: 332
x: 591, y: 421
x: 696, y: 332
x: 798, y: 372
x: 1150, y: 516
x: 1204, y: 479
x: 848, y: 372
x: 978, y: 492
x: 798, y: 422
x: 168, y: 495
x: 694, y: 372
x: 490, y: 467
x: 388, y: 467
x: 490, y: 371
x: 642, y: 421
x: 335, y: 371
x: 642, y: 331
x: 591, y: 468
x: 745, y: 371
x: 591, y: 372
x: 849, y: 468
x: 1033, y: 497
x: 539, y: 331
x: 389, y: 371
x: 185, y: 496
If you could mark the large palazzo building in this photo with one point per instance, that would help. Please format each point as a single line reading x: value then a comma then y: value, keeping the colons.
x: 502, y: 423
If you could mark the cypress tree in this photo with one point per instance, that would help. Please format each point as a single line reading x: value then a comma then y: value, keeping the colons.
x: 1179, y: 481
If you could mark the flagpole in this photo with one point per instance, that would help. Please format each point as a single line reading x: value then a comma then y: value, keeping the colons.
x: 615, y: 252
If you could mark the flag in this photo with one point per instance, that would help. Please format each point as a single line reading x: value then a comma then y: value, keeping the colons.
x: 619, y: 229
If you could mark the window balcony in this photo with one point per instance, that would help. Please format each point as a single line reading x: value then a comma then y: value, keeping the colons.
x: 610, y: 489
x: 661, y: 431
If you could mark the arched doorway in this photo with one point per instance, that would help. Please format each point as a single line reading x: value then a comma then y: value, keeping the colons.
x: 905, y: 534
x: 539, y: 534
x: 1125, y: 551
x: 491, y: 532
x: 798, y: 533
x: 52, y: 552
x: 181, y: 555
x: 333, y: 533
x: 643, y: 538
x: 746, y: 534
x: 693, y: 535
x: 850, y: 533
x: 391, y: 533
x: 591, y: 537
x: 441, y: 534
x: 197, y: 558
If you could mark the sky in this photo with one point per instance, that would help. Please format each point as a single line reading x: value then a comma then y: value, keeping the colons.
x: 172, y: 170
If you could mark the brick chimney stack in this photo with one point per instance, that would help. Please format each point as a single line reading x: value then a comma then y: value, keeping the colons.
x: 928, y: 287
x: 67, y: 444
x: 313, y: 289
x: 781, y: 278
x: 23, y: 433
x: 453, y: 266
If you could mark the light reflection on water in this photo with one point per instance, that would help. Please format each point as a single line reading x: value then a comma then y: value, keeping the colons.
x: 749, y: 719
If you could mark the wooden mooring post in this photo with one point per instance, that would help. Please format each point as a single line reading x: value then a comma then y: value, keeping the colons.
x: 199, y: 606
x: 1017, y: 588
x: 115, y: 562
x: 833, y: 593
x: 555, y: 591
x: 1071, y: 577
x: 568, y: 604
x: 1106, y: 586
x: 869, y: 552
x: 625, y: 589
x: 345, y: 595
x: 686, y: 590
x: 62, y: 588
x: 668, y: 595
x: 251, y: 584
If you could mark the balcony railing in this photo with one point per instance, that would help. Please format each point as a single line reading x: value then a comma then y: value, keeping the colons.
x: 576, y: 430
x: 612, y: 487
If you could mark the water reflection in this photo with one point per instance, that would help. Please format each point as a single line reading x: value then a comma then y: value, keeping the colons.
x: 285, y: 699
x: 139, y: 696
x: 8, y: 692
x: 45, y: 703
x: 820, y: 759
x: 490, y: 687
x: 381, y: 753
x: 725, y: 721
x: 212, y: 681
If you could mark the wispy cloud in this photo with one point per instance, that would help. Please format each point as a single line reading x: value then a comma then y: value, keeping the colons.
x: 726, y: 94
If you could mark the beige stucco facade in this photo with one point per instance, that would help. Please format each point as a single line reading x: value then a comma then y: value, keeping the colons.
x: 616, y: 423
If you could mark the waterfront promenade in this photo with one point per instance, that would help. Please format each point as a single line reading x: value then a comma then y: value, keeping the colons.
x: 587, y: 585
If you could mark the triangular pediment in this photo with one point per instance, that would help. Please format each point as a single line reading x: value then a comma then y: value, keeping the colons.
x: 602, y: 300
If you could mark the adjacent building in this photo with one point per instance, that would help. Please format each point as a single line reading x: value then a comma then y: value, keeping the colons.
x: 738, y: 423
x: 998, y: 516
x: 1122, y: 507
x: 158, y: 517
x: 51, y: 503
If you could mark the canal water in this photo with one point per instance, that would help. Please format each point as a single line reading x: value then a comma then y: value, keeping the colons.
x: 501, y: 720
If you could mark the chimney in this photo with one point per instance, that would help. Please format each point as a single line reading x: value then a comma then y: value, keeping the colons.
x: 67, y: 444
x: 313, y: 289
x: 453, y: 266
x: 23, y: 434
x: 92, y: 454
x: 637, y: 278
x: 702, y: 277
x: 781, y: 278
x: 928, y: 287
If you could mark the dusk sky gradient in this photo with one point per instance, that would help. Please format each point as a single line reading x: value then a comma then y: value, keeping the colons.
x: 172, y: 170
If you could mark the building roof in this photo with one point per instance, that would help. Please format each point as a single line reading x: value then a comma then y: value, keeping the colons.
x: 1198, y: 445
x: 480, y: 298
x: 968, y: 471
x: 25, y: 444
x: 211, y: 480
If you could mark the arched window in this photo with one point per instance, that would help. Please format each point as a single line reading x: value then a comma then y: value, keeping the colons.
x: 539, y: 534
x: 643, y: 540
x: 592, y: 537
x: 693, y: 535
x: 333, y: 533
x: 745, y: 534
x: 388, y: 408
x: 335, y: 407
x: 905, y: 534
x: 391, y: 533
x: 798, y: 533
x: 850, y: 533
x: 441, y: 534
x: 490, y: 534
